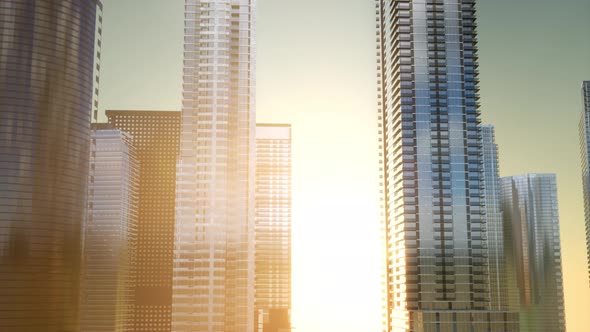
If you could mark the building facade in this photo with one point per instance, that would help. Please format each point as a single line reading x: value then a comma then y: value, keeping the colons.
x: 48, y: 86
x: 529, y: 203
x: 273, y: 228
x: 585, y: 155
x: 213, y: 287
x: 156, y: 137
x: 500, y: 284
x: 432, y: 181
x: 110, y: 232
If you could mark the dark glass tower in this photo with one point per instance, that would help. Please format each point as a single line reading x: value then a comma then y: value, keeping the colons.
x: 431, y: 168
x: 156, y: 136
x: 48, y: 78
x: 585, y: 155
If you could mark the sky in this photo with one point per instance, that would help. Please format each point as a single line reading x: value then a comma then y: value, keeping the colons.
x: 316, y: 69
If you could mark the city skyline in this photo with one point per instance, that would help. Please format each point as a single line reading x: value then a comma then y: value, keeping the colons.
x: 423, y: 244
x: 301, y: 81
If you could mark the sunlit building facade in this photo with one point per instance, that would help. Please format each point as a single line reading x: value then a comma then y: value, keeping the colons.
x: 273, y: 228
x: 48, y: 89
x: 156, y: 138
x: 213, y: 288
x: 432, y: 181
x: 585, y: 155
x: 529, y: 203
x: 110, y: 232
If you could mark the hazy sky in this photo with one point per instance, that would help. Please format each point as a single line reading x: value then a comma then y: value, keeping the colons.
x: 316, y: 70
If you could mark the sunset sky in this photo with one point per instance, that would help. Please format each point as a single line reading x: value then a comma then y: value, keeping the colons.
x: 316, y: 70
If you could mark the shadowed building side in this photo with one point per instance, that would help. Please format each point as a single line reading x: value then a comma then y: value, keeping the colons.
x: 156, y: 136
x: 502, y: 283
x: 110, y: 233
x: 531, y: 216
x: 49, y: 54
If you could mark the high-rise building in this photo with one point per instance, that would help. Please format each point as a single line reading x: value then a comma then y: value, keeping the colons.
x: 500, y: 285
x: 529, y: 204
x: 110, y: 232
x: 585, y: 156
x: 48, y: 87
x: 273, y: 228
x: 214, y: 238
x: 432, y: 181
x: 156, y: 137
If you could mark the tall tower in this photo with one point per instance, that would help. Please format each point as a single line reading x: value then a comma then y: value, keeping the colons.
x: 273, y: 228
x: 156, y: 137
x: 48, y: 83
x: 431, y: 166
x: 530, y: 210
x: 213, y: 287
x: 585, y: 156
x: 499, y: 287
x: 110, y: 232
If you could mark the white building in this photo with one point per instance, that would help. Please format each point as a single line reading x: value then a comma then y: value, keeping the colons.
x: 213, y: 278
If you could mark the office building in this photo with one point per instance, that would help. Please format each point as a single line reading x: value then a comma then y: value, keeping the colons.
x: 529, y: 203
x: 48, y: 89
x: 500, y: 284
x: 273, y: 228
x: 432, y: 181
x: 110, y: 232
x: 585, y: 155
x: 214, y: 250
x: 156, y: 137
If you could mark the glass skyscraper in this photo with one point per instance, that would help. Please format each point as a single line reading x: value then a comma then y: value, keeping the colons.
x: 156, y: 139
x: 213, y: 287
x: 432, y: 181
x: 48, y: 87
x: 273, y: 228
x: 529, y: 203
x: 585, y: 156
x: 500, y: 285
x: 110, y: 232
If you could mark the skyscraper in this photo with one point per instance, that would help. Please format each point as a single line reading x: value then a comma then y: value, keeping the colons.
x: 585, y: 156
x: 156, y: 138
x: 48, y: 83
x: 110, y: 232
x: 273, y: 228
x: 529, y: 203
x: 430, y: 164
x: 213, y: 286
x: 499, y: 284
